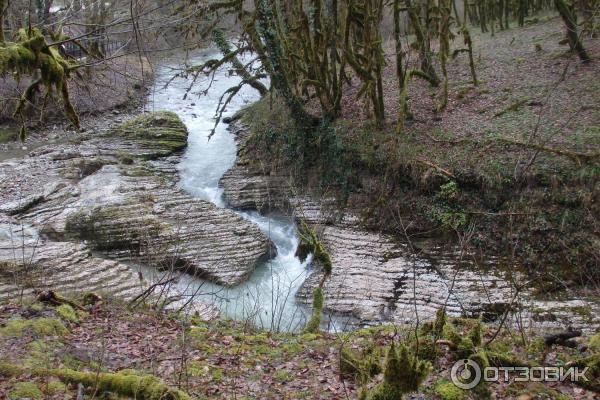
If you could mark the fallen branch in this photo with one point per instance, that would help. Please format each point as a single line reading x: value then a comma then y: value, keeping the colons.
x: 513, y: 107
x: 576, y: 157
x: 436, y: 167
x: 51, y: 297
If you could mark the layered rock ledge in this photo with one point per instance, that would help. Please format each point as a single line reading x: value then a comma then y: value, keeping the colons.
x: 378, y: 278
x: 91, y: 208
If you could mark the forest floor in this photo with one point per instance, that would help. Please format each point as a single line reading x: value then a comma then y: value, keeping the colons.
x: 227, y: 360
x: 512, y: 164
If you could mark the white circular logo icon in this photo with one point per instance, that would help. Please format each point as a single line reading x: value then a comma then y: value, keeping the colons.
x: 465, y: 374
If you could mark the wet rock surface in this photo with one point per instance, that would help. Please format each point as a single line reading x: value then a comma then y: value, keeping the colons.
x: 30, y: 263
x: 248, y: 187
x: 115, y: 196
x: 378, y: 278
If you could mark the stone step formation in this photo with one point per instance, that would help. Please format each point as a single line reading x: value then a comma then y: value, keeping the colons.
x: 78, y: 216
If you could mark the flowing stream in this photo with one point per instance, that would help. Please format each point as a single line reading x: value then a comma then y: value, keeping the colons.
x: 267, y: 298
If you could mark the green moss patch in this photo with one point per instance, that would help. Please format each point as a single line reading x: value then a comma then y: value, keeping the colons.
x: 594, y: 343
x: 446, y: 390
x: 25, y: 390
x: 17, y: 327
x: 111, y: 228
x: 67, y: 313
x: 8, y: 369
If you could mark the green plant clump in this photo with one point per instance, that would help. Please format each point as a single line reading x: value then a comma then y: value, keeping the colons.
x: 9, y: 370
x: 403, y: 374
x: 594, y: 343
x: 360, y: 366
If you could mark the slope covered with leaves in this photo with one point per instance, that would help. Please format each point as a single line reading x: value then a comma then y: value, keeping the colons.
x: 50, y: 352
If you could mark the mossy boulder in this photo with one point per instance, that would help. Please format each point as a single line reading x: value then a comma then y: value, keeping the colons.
x: 158, y: 134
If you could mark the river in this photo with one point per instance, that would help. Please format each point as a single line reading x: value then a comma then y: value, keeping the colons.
x: 267, y: 298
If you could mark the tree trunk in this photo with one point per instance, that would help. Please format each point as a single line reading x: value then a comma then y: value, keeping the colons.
x: 570, y: 21
x: 223, y: 45
x: 2, y: 11
x: 399, y: 68
x: 444, y: 38
x: 422, y: 40
x: 278, y: 75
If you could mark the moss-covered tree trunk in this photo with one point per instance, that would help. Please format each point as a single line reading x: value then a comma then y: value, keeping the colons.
x: 421, y: 33
x: 400, y: 73
x: 469, y: 43
x: 3, y: 7
x: 570, y: 20
x: 275, y: 59
x: 223, y: 45
x: 444, y: 35
x: 31, y: 55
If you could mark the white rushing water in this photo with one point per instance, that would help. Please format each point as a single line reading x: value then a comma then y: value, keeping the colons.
x: 267, y: 299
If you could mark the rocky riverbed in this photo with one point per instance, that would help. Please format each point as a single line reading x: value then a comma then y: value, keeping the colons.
x: 76, y: 216
x: 378, y: 278
x: 80, y: 216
